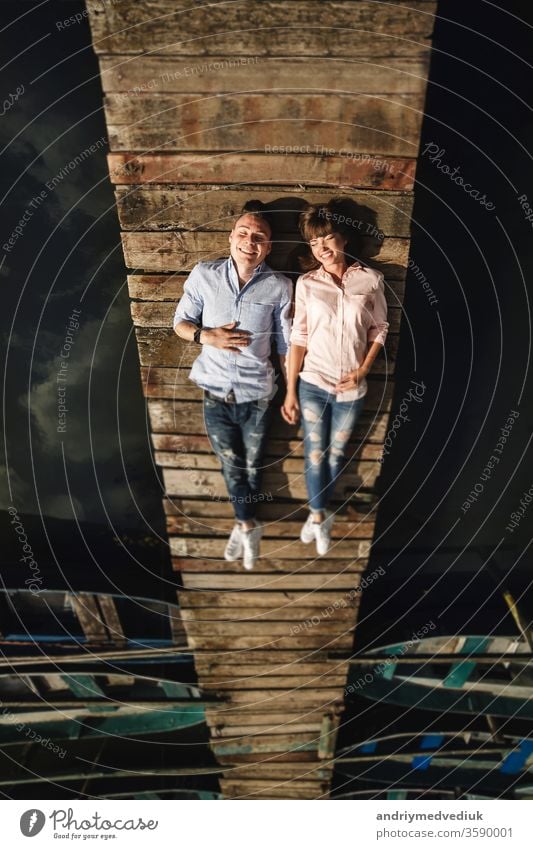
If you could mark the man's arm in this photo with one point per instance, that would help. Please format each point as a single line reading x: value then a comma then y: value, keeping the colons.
x: 188, y: 318
x: 225, y: 337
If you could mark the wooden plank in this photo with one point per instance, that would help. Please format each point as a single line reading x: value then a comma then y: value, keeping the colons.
x: 112, y: 619
x: 275, y: 698
x: 275, y: 789
x: 301, y: 170
x: 268, y: 599
x: 162, y: 348
x: 277, y: 466
x: 299, y: 766
x: 268, y: 565
x: 295, y: 615
x: 247, y: 582
x: 242, y: 730
x: 212, y: 208
x: 270, y: 510
x: 157, y: 314
x: 176, y: 250
x: 305, y: 29
x: 185, y: 526
x: 275, y: 448
x: 170, y: 383
x: 298, y: 669
x: 388, y: 125
x: 211, y: 484
x: 169, y: 287
x: 309, y: 641
x: 222, y: 721
x: 287, y: 549
x: 144, y: 74
x: 187, y: 418
x: 292, y: 742
x: 86, y: 609
x: 216, y: 628
x: 272, y: 682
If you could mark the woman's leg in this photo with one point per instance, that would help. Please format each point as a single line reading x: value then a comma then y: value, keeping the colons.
x: 344, y: 416
x: 316, y: 415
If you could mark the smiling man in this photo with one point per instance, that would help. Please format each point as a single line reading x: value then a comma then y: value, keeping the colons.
x: 234, y: 308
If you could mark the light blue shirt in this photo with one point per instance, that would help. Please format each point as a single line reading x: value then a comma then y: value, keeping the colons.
x: 212, y: 297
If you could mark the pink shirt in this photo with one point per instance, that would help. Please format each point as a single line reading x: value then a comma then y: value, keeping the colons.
x: 337, y: 323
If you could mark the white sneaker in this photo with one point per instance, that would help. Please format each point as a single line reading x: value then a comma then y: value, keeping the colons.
x: 233, y: 550
x: 307, y: 534
x: 250, y: 544
x: 322, y: 533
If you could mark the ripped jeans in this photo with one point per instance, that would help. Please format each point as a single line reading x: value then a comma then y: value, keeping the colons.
x: 328, y: 425
x: 237, y: 433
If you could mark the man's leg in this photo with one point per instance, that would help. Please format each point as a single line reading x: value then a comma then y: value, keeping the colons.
x: 254, y: 419
x: 225, y: 435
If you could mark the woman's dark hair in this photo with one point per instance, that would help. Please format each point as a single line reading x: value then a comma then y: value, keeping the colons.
x: 338, y: 215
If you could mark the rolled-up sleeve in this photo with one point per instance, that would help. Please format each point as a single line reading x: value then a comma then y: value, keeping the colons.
x: 282, y: 321
x: 299, y: 324
x: 191, y: 304
x: 377, y: 332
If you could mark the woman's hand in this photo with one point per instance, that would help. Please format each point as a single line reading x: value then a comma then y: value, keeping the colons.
x: 351, y: 380
x: 291, y: 409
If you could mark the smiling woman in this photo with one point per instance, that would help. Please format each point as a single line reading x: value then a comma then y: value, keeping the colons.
x: 339, y: 328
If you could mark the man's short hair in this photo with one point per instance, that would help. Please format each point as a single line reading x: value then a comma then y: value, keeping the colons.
x: 259, y: 210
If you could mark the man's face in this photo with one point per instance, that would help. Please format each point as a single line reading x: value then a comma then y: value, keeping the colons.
x: 250, y: 241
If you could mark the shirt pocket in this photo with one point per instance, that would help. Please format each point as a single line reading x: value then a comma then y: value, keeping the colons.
x: 256, y: 317
x: 361, y: 309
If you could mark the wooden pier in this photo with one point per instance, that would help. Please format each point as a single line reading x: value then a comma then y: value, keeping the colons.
x: 206, y: 108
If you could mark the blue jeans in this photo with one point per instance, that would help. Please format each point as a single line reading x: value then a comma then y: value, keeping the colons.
x: 237, y: 433
x: 328, y: 425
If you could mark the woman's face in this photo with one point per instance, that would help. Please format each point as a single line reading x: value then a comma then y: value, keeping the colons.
x: 328, y: 250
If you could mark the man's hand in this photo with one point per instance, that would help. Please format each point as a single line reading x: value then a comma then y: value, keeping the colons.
x: 226, y: 337
x: 351, y: 380
x: 291, y: 409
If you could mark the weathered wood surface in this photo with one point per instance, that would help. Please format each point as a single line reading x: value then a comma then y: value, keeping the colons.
x: 186, y: 526
x: 343, y: 580
x: 270, y: 510
x: 196, y: 99
x: 152, y: 207
x: 305, y: 28
x: 169, y: 287
x: 162, y: 348
x: 287, y: 485
x: 273, y: 565
x: 134, y: 76
x: 268, y: 599
x: 178, y: 251
x: 385, y: 124
x: 161, y: 314
x: 349, y: 170
x: 187, y: 418
x: 276, y: 448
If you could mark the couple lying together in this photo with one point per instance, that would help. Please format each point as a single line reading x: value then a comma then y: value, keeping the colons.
x: 234, y: 309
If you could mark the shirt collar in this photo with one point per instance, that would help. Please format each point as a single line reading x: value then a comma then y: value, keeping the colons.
x: 356, y: 266
x: 234, y: 277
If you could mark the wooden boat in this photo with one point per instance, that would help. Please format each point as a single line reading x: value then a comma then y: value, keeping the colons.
x: 58, y: 622
x: 499, y: 683
x: 73, y: 706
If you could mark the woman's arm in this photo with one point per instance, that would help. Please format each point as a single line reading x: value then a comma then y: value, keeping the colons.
x: 291, y: 408
x: 298, y: 347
